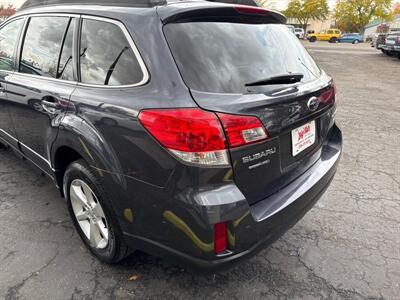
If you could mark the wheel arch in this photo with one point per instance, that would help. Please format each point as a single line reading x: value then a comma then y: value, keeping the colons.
x: 77, y: 139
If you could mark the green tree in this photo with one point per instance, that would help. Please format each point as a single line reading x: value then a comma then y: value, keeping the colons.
x: 353, y: 15
x: 305, y: 10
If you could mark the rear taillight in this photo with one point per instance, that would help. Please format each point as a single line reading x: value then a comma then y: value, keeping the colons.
x: 329, y: 96
x: 191, y: 134
x: 197, y: 137
x: 242, y: 130
x: 220, y: 238
x: 334, y: 89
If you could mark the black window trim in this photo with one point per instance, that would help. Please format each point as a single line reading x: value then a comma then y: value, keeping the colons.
x: 133, y: 46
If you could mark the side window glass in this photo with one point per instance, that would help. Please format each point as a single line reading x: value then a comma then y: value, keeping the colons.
x: 42, y: 45
x: 330, y: 31
x: 8, y: 41
x: 106, y: 57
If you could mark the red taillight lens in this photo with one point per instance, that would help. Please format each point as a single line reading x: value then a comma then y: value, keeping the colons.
x: 196, y: 136
x: 242, y: 130
x: 191, y: 134
x: 245, y: 9
x: 187, y: 130
x: 220, y: 237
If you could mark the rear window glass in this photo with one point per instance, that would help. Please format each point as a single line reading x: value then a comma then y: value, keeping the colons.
x: 223, y: 57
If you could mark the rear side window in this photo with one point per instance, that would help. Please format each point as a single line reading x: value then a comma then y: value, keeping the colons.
x: 330, y: 31
x: 106, y: 56
x: 223, y: 57
x: 42, y: 46
x: 8, y: 41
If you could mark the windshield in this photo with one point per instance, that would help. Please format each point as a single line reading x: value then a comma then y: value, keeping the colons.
x: 223, y: 57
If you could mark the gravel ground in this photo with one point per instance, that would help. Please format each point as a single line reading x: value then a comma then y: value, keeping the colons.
x: 347, y: 246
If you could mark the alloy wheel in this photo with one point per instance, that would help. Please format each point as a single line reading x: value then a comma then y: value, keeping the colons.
x: 89, y: 214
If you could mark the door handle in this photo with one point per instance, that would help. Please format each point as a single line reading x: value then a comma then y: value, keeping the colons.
x: 50, y: 104
x: 50, y: 101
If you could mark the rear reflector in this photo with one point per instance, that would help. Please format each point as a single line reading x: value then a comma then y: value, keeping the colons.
x: 242, y: 130
x: 220, y: 237
x: 197, y: 137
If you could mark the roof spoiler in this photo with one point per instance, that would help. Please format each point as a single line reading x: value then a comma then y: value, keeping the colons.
x: 222, y: 12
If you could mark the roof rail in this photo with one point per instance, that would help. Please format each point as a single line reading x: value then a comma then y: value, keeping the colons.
x: 132, y: 3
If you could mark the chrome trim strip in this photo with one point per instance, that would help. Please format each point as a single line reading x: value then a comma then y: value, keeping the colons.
x: 9, y: 135
x: 44, y: 78
x: 14, y: 139
x: 34, y: 152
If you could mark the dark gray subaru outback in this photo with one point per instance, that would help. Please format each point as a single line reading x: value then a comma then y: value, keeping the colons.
x: 192, y: 130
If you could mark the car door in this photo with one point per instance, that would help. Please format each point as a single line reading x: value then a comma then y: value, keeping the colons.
x: 39, y: 92
x: 322, y: 35
x: 329, y: 35
x: 9, y: 34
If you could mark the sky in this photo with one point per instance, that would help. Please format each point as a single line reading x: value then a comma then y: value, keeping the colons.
x: 16, y: 3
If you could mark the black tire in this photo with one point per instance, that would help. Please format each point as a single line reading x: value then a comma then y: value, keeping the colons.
x: 333, y: 40
x: 356, y: 41
x: 116, y: 248
x: 312, y: 39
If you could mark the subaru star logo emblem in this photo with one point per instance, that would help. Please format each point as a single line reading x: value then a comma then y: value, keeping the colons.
x: 313, y: 103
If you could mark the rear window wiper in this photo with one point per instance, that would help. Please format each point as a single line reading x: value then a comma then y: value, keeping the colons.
x: 280, y: 79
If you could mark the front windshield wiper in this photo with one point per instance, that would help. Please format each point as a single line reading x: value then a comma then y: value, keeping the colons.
x: 280, y: 79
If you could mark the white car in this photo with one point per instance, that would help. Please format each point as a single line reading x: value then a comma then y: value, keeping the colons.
x: 299, y: 32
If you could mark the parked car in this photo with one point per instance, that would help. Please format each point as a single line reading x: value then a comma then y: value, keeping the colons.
x: 160, y: 142
x: 380, y: 40
x: 291, y: 28
x: 392, y: 44
x: 299, y: 32
x: 331, y: 35
x: 353, y: 38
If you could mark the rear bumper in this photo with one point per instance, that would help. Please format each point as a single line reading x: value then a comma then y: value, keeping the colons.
x: 251, y: 229
x: 390, y: 47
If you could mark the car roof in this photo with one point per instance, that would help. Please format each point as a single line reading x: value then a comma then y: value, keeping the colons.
x: 124, y: 3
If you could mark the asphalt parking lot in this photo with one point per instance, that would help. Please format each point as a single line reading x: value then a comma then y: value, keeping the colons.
x: 346, y: 247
